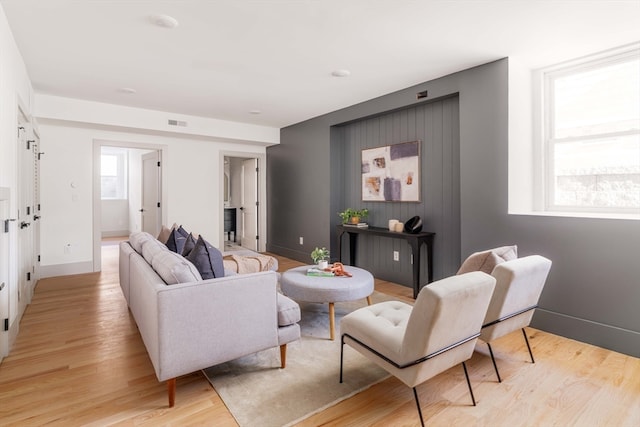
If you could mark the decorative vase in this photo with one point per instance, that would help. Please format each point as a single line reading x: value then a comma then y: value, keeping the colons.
x: 323, y: 264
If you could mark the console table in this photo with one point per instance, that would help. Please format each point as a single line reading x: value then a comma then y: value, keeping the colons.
x: 415, y: 241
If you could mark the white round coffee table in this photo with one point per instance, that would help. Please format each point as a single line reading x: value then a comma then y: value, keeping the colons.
x: 298, y: 286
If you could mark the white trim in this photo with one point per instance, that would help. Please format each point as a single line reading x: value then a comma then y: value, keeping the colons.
x: 55, y: 270
x: 545, y: 141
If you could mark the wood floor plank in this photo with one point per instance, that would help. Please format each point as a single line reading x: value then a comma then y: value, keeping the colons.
x: 79, y: 360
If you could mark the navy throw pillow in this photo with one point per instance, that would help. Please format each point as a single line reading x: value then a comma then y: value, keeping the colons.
x: 184, y: 233
x: 176, y: 241
x: 207, y: 259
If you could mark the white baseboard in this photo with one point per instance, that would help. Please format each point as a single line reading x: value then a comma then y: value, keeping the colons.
x: 115, y: 233
x: 65, y: 269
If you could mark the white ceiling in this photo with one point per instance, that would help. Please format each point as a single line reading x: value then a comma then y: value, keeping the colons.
x: 229, y: 57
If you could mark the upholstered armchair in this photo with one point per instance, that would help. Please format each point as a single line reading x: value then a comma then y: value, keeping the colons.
x: 415, y: 343
x: 519, y: 283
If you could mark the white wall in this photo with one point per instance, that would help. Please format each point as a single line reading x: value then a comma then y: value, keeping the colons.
x: 15, y: 88
x: 191, y: 182
x: 521, y: 138
x: 115, y: 217
x: 81, y: 111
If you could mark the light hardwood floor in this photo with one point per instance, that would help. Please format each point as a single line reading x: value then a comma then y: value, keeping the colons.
x: 79, y: 360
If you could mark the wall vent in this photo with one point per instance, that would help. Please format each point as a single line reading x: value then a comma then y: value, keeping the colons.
x: 177, y: 123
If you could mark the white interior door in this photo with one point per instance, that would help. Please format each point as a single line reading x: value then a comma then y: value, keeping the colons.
x: 249, y: 204
x: 151, y: 207
x: 25, y: 221
x: 4, y: 270
x: 36, y: 210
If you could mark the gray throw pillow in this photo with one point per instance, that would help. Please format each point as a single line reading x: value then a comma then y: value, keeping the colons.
x: 207, y: 259
x: 189, y: 244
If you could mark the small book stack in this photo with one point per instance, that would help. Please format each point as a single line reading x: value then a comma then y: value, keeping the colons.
x: 319, y: 273
x: 359, y: 225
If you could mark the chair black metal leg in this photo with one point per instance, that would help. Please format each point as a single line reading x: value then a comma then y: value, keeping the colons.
x: 341, y: 355
x: 466, y: 374
x: 415, y: 394
x: 493, y: 359
x: 528, y: 346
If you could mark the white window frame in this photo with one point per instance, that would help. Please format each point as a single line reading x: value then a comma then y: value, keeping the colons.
x: 546, y: 168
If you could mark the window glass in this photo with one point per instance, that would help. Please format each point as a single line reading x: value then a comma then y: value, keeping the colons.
x: 601, y: 100
x: 113, y: 173
x: 592, y: 133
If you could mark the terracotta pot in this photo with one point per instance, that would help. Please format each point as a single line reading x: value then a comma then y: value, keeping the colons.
x: 355, y: 220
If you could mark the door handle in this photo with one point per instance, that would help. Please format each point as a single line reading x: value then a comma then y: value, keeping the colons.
x: 36, y: 217
x: 24, y: 224
x: 141, y: 210
x: 6, y: 224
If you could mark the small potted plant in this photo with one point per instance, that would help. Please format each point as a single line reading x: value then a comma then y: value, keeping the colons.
x: 320, y: 257
x: 353, y: 216
x: 360, y: 214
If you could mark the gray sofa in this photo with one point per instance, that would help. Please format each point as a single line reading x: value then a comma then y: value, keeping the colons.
x: 188, y: 324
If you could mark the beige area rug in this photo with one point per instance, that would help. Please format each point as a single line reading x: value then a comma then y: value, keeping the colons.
x: 259, y: 393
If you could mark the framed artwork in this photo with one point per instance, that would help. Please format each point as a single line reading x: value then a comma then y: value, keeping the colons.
x: 391, y: 173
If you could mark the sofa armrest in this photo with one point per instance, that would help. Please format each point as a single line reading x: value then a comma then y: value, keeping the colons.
x: 205, y: 323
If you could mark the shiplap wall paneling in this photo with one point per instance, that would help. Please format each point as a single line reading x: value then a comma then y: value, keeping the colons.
x: 436, y: 125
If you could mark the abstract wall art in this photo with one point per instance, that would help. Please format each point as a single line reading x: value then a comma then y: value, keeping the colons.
x: 391, y: 173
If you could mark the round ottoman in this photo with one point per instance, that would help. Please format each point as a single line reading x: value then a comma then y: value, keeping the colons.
x: 298, y: 286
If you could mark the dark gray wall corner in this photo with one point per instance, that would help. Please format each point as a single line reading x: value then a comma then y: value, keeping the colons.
x: 593, y: 291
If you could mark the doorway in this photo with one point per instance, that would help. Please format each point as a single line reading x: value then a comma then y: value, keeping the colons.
x: 243, y: 191
x: 128, y: 194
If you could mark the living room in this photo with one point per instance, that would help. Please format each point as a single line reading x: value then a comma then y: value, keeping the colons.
x: 590, y: 296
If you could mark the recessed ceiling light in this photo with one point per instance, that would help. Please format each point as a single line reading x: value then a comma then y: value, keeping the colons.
x: 164, y: 21
x: 128, y: 90
x: 341, y: 73
x: 255, y: 112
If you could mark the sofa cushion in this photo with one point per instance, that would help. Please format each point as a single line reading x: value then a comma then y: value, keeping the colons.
x: 189, y: 244
x: 174, y: 268
x: 138, y: 238
x: 288, y: 310
x: 176, y: 241
x: 207, y: 259
x: 150, y: 248
x: 486, y: 261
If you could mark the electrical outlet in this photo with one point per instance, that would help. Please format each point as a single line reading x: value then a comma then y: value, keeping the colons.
x: 396, y: 256
x: 301, y: 240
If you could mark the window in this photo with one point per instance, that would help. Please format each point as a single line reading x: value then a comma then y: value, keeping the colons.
x: 592, y: 135
x: 113, y: 173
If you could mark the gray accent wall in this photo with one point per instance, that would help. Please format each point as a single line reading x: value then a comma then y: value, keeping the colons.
x: 436, y: 125
x: 593, y: 291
